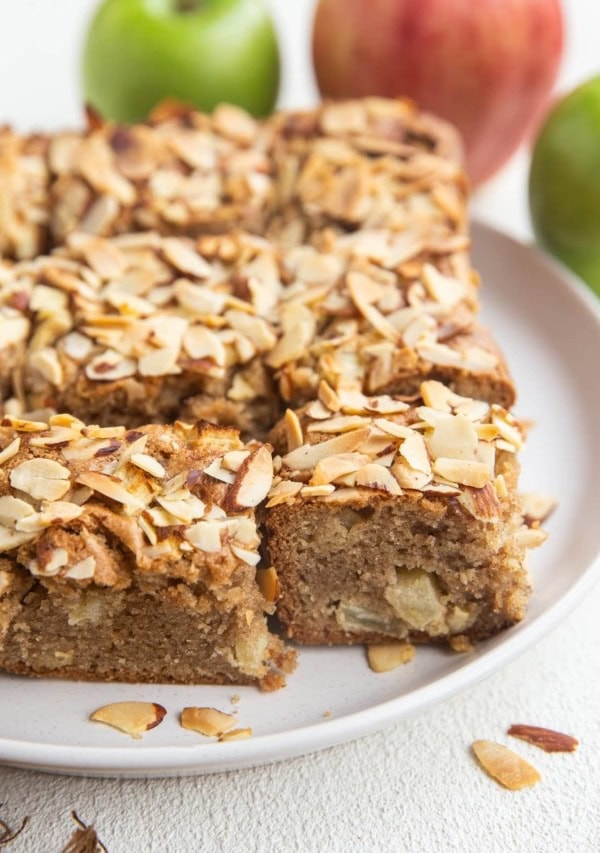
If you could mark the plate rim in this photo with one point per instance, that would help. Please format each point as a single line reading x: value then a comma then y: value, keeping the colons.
x: 129, y: 761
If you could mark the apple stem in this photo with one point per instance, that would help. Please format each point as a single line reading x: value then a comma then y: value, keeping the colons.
x: 187, y: 5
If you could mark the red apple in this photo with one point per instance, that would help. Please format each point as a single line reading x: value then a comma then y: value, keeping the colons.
x: 486, y: 65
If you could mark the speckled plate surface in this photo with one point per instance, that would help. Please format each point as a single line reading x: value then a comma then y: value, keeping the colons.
x: 549, y: 327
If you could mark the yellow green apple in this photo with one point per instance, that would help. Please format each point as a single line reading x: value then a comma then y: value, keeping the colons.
x: 564, y: 182
x: 201, y: 52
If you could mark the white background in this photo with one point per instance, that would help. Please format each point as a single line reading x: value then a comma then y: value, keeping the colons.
x: 412, y: 787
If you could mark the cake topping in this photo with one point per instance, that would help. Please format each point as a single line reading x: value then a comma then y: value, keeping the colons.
x: 448, y: 446
x: 163, y: 487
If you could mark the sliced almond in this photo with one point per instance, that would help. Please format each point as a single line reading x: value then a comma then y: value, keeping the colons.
x: 133, y: 718
x: 374, y: 476
x: 536, y: 507
x: 463, y: 471
x: 283, y: 492
x: 236, y: 734
x: 253, y: 480
x: 10, y: 450
x: 309, y: 455
x: 185, y: 259
x: 385, y: 657
x: 110, y: 487
x: 333, y: 467
x: 504, y: 765
x: 43, y: 479
x: 149, y: 464
x: 546, y: 739
x: 293, y: 430
x: 207, y: 721
x: 268, y: 583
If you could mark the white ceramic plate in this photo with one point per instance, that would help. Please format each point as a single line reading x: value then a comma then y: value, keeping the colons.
x: 549, y: 325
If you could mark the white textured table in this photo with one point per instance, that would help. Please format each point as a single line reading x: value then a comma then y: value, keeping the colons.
x: 413, y: 787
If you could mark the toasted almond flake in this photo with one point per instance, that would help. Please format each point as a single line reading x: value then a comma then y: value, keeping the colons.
x: 318, y: 491
x: 479, y: 360
x: 454, y: 437
x: 309, y: 455
x: 410, y: 478
x: 77, y: 346
x: 293, y: 430
x: 500, y: 486
x: 414, y: 451
x: 10, y: 450
x: 374, y: 476
x: 148, y: 529
x: 537, y: 507
x: 184, y: 258
x: 209, y: 722
x: 283, y: 492
x: 463, y: 471
x: 160, y: 362
x: 341, y: 424
x: 43, y: 479
x: 547, y: 739
x: 385, y: 405
x: 235, y: 734
x: 21, y: 425
x: 328, y: 397
x: 149, y: 464
x: 505, y: 766
x: 448, y: 291
x: 10, y: 539
x: 132, y: 718
x: 255, y: 329
x: 385, y: 657
x: 299, y: 328
x: 200, y: 342
x: 206, y: 536
x: 110, y: 487
x: 317, y: 411
x: 359, y: 287
x: 482, y: 504
x: 268, y: 583
x: 234, y: 459
x: 439, y: 354
x: 251, y: 558
x: 13, y: 510
x: 110, y: 366
x: 47, y: 363
x: 82, y: 570
x: 438, y: 396
x: 253, y: 480
x: 333, y: 467
x: 530, y: 537
x: 217, y: 470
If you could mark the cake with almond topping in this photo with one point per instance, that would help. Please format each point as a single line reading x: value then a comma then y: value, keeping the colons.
x: 224, y: 269
x: 390, y: 519
x: 143, y: 328
x: 130, y: 555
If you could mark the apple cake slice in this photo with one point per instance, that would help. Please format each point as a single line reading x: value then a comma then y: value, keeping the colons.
x: 368, y: 163
x: 131, y: 555
x: 381, y: 312
x: 390, y: 519
x: 142, y: 328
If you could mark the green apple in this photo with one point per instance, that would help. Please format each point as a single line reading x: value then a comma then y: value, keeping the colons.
x: 201, y: 52
x: 564, y: 182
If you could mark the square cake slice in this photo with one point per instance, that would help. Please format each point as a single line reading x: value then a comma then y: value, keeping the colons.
x: 142, y: 328
x: 397, y: 520
x: 131, y: 555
